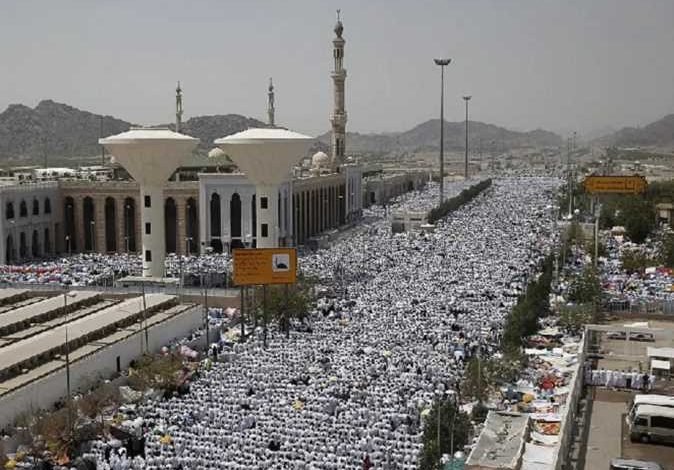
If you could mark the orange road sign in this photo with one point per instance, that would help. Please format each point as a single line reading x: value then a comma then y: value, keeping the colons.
x: 260, y: 266
x: 615, y: 184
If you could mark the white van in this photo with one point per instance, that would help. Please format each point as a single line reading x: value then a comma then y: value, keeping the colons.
x: 624, y: 464
x: 652, y: 423
x: 650, y: 399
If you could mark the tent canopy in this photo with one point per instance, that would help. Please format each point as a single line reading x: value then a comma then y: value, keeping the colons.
x: 658, y: 364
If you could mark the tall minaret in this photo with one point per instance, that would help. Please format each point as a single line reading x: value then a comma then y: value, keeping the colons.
x: 179, y: 107
x: 338, y: 117
x: 270, y: 103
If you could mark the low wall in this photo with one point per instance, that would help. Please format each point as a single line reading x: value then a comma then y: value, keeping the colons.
x: 567, y: 426
x: 101, y: 364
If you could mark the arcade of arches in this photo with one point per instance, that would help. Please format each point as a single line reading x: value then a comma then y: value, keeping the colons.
x: 108, y: 220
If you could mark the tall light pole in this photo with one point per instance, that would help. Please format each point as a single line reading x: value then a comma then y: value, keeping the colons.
x: 466, y: 99
x: 67, y: 294
x: 442, y: 63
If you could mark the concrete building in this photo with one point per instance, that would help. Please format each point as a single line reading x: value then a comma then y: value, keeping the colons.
x: 30, y: 219
x: 105, y: 333
x: 101, y: 212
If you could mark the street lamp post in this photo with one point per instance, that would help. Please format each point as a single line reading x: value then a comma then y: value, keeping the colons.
x: 442, y: 63
x: 67, y: 294
x: 70, y: 252
x: 466, y: 99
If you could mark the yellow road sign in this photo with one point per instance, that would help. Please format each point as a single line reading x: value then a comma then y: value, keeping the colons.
x: 615, y: 184
x: 265, y: 266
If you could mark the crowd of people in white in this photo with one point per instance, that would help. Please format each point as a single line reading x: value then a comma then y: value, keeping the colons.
x: 354, y: 387
x: 95, y: 269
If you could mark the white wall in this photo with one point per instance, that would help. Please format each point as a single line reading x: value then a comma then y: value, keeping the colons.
x: 44, y: 392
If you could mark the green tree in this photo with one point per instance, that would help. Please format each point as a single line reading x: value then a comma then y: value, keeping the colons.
x: 667, y: 251
x: 573, y: 318
x: 454, y: 433
x: 157, y: 372
x: 483, y: 375
x: 638, y: 216
x: 585, y: 288
x: 290, y: 301
x: 634, y: 261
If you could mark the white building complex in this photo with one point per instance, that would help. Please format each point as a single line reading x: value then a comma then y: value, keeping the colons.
x: 52, y: 211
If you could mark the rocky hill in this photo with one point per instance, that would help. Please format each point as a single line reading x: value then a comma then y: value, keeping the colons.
x: 656, y: 134
x: 426, y: 136
x: 52, y: 128
x: 209, y: 128
x: 59, y: 130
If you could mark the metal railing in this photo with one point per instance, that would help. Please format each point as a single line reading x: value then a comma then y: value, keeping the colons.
x: 665, y: 307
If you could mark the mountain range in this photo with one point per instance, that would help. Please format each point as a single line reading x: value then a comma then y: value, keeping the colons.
x: 58, y: 130
x: 659, y: 133
x: 426, y: 136
x: 29, y: 135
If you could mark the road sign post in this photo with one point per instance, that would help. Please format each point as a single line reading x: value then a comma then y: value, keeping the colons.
x: 615, y: 184
x: 264, y: 266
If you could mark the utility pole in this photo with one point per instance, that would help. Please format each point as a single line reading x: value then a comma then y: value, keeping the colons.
x: 264, y: 315
x: 466, y: 99
x: 241, y: 311
x: 100, y: 135
x: 67, y: 345
x: 208, y: 341
x: 570, y: 174
x: 143, y: 320
x: 442, y: 63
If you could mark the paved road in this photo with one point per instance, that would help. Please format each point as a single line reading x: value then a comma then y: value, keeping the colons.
x: 608, y: 437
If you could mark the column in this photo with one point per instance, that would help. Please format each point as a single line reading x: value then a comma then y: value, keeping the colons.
x: 267, y: 216
x: 120, y: 213
x: 154, y: 243
x: 181, y: 217
x: 99, y: 220
x: 137, y: 220
x: 225, y: 217
x: 204, y: 219
x: 78, y: 221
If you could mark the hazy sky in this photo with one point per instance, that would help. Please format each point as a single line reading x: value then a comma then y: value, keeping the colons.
x: 560, y: 65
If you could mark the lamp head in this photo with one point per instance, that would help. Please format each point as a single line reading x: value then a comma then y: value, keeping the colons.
x: 442, y: 62
x: 467, y: 98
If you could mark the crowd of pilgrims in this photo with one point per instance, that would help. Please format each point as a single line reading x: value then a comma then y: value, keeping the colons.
x: 95, y: 269
x: 352, y: 390
x: 650, y: 285
x: 619, y: 379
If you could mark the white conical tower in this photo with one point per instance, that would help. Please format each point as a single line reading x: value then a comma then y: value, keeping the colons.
x: 266, y: 156
x: 151, y: 156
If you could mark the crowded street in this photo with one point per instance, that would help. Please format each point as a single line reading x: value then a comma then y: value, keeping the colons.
x: 358, y: 384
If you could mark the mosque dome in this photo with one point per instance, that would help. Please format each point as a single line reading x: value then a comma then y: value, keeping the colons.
x: 216, y: 153
x: 320, y: 160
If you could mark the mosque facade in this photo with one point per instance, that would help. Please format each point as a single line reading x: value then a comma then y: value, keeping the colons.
x: 211, y: 212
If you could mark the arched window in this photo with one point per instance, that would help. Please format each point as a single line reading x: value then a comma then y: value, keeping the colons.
x: 23, y: 209
x: 9, y: 210
x: 47, y: 206
x: 36, y: 207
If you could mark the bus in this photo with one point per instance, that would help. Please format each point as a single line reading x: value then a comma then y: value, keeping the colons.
x: 652, y: 423
x: 643, y: 399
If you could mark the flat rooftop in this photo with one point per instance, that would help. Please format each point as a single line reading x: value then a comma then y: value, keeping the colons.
x: 32, y: 350
x: 86, y: 349
x: 47, y: 307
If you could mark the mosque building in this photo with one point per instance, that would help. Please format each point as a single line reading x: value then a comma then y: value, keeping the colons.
x: 209, y: 211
